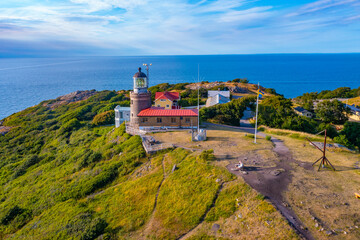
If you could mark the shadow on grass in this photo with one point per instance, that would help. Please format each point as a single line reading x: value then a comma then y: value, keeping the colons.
x: 337, y: 168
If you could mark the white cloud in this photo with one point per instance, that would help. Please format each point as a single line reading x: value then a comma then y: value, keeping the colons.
x: 321, y: 5
x: 168, y: 27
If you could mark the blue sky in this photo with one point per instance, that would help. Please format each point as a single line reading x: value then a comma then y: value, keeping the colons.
x: 153, y: 27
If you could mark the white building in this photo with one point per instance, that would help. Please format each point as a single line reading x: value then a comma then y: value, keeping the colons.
x: 355, y: 112
x: 303, y: 112
x: 217, y: 97
x: 122, y: 114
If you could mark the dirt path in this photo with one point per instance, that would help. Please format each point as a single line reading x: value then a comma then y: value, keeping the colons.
x: 148, y: 228
x: 272, y: 182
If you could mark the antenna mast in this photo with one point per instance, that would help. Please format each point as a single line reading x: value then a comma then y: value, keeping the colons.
x: 147, y: 69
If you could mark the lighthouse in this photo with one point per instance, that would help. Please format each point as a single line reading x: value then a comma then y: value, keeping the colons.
x: 140, y: 97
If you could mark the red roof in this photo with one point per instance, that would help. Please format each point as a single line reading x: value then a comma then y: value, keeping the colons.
x: 151, y: 112
x: 167, y: 95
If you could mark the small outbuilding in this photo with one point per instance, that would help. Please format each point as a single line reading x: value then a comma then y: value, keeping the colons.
x: 217, y: 97
x: 122, y: 114
x: 303, y: 112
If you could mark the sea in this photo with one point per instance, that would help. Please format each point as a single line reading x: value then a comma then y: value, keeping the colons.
x: 25, y: 82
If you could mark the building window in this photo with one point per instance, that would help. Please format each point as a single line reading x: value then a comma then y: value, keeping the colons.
x: 132, y: 102
x: 181, y: 118
x: 144, y: 120
x: 187, y: 120
x: 162, y: 100
x: 117, y: 114
x: 158, y: 105
x: 121, y: 115
x: 159, y: 120
x: 167, y: 106
x: 173, y: 120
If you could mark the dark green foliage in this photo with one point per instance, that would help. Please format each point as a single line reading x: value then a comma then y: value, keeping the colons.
x: 87, y: 157
x: 207, y: 155
x: 29, y: 161
x: 240, y: 80
x: 190, y: 102
x: 95, y: 229
x: 71, y: 125
x: 277, y: 112
x: 221, y: 87
x: 271, y: 91
x: 11, y: 214
x: 117, y: 98
x: 102, y: 96
x: 352, y: 132
x: 330, y: 129
x: 273, y: 111
x: 342, y: 92
x: 84, y: 227
x: 341, y: 139
x: 193, y: 94
x: 104, y: 118
x: 228, y: 113
x: 332, y: 111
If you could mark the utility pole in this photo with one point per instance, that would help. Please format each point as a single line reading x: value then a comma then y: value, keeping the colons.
x: 257, y: 109
x: 198, y: 126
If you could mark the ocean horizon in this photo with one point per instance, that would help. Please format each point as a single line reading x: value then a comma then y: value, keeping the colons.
x: 25, y: 82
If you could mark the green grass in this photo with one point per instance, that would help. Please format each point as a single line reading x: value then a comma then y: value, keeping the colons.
x: 63, y: 178
x: 226, y: 203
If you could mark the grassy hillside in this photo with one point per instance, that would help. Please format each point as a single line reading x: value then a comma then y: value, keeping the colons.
x: 65, y: 174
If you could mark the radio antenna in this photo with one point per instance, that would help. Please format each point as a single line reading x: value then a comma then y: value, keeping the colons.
x: 147, y: 69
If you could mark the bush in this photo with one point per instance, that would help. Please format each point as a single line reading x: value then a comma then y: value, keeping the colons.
x: 352, y: 132
x: 11, y: 214
x: 341, y: 139
x: 268, y: 138
x: 250, y: 135
x: 207, y: 155
x: 104, y: 118
x: 71, y: 125
x: 95, y: 229
x: 240, y: 80
x: 21, y: 170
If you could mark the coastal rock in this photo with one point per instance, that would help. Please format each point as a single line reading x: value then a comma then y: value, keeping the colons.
x: 215, y: 227
x: 237, y: 89
x: 4, y: 130
x: 71, y: 97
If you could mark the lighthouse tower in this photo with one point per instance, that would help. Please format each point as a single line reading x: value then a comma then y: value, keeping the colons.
x: 140, y: 98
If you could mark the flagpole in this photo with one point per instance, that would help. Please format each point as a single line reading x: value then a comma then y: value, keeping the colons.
x: 257, y: 109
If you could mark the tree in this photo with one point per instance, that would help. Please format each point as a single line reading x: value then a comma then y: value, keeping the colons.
x: 332, y: 111
x: 352, y: 132
x: 274, y: 110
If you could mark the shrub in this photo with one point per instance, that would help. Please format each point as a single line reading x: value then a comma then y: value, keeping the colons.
x: 250, y: 135
x: 71, y: 125
x: 341, y: 139
x: 104, y: 118
x: 207, y: 155
x: 29, y: 161
x: 95, y: 229
x: 268, y: 138
x: 11, y: 214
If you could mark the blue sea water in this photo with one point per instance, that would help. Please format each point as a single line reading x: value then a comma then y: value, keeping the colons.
x: 25, y: 82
